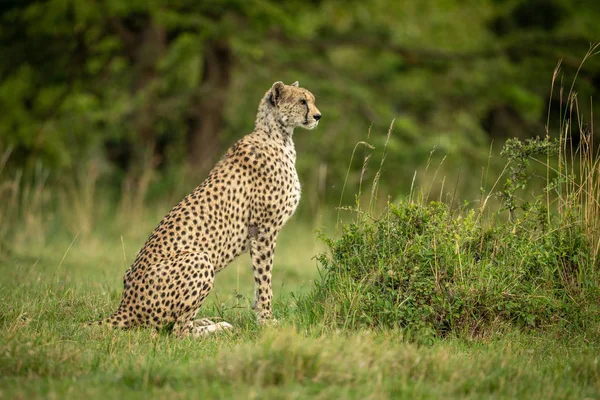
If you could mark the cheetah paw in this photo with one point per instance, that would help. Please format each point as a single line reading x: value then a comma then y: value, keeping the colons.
x: 200, y: 331
x: 203, y: 322
x: 268, y: 322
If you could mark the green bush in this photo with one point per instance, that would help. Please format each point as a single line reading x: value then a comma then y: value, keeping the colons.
x: 431, y: 268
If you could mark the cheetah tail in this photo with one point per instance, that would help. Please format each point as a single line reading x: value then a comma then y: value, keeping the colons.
x: 116, y: 320
x: 103, y: 321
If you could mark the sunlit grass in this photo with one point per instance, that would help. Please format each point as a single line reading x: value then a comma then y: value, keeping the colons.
x: 48, y: 290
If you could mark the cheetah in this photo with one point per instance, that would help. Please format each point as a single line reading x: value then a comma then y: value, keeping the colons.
x: 242, y: 205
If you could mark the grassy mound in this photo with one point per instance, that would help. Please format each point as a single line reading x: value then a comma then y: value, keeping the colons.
x: 429, y: 268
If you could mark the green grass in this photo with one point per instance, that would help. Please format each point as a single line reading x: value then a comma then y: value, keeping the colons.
x: 49, y: 288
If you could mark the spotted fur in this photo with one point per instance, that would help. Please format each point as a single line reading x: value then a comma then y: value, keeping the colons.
x: 242, y: 205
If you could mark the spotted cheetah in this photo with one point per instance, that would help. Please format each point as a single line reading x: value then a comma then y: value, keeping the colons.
x: 242, y: 205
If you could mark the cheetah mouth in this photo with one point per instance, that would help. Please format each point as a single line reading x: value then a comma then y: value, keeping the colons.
x: 310, y: 125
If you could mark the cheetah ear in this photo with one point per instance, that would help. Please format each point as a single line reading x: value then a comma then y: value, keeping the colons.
x: 276, y: 91
x: 295, y: 84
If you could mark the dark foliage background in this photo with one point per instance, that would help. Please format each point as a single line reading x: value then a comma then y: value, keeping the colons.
x: 166, y: 86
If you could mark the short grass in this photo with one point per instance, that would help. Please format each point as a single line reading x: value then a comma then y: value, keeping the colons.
x: 50, y: 286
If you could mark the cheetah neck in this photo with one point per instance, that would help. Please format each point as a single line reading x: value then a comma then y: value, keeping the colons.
x: 267, y: 123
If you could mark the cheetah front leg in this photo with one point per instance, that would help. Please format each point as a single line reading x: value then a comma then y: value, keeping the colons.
x: 262, y: 250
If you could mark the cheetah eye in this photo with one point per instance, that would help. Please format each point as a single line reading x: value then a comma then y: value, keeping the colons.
x: 303, y: 102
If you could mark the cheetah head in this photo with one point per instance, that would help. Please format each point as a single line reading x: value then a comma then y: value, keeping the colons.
x: 294, y: 106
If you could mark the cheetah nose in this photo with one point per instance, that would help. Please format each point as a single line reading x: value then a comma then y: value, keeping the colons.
x: 317, y: 117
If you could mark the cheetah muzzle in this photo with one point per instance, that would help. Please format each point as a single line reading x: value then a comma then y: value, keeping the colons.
x: 242, y: 205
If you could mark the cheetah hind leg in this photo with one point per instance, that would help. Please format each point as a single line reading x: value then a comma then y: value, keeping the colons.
x: 199, y: 287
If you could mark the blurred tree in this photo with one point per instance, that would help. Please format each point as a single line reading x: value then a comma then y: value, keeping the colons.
x: 154, y: 83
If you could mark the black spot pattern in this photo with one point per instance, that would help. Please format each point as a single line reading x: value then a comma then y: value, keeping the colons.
x: 242, y: 205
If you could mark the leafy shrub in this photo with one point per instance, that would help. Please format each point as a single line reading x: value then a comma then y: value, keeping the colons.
x: 430, y: 268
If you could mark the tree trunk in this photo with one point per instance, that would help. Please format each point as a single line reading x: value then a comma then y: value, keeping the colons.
x: 205, y: 119
x: 152, y: 45
x: 144, y: 46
